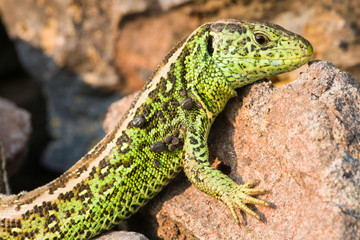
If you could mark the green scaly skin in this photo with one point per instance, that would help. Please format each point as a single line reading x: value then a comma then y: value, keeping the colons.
x: 165, y: 131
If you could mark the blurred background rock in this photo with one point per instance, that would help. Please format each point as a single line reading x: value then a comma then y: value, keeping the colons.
x: 66, y: 61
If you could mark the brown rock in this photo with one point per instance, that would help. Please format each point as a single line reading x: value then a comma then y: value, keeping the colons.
x: 77, y: 36
x: 167, y: 4
x: 74, y: 36
x: 15, y: 130
x: 121, y: 235
x: 116, y: 111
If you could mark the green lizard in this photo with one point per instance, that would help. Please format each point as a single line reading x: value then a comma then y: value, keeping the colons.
x: 164, y: 131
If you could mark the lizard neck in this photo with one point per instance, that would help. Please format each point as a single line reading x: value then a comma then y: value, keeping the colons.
x: 205, y: 79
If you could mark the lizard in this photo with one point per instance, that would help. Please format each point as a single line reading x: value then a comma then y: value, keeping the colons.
x: 164, y: 131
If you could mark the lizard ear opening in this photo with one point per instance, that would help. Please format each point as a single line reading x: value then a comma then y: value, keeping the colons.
x: 209, y: 46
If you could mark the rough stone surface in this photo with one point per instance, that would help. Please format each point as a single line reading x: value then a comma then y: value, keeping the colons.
x: 75, y: 35
x: 72, y: 36
x: 15, y: 130
x: 302, y: 141
x: 4, y: 182
x: 116, y: 111
x: 167, y: 4
x: 122, y: 235
x: 75, y: 113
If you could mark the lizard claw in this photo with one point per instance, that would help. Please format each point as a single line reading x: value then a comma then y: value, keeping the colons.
x: 241, y: 195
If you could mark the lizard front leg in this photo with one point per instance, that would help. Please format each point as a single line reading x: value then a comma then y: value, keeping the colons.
x: 215, y: 183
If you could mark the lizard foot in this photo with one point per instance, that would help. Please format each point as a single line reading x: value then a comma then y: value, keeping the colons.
x: 240, y: 195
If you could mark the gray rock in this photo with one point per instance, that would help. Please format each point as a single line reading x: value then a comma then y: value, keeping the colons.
x: 75, y: 113
x: 15, y: 130
x: 4, y: 182
x: 122, y: 235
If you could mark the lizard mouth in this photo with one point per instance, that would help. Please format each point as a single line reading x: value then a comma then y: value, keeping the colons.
x: 295, y: 61
x: 307, y: 53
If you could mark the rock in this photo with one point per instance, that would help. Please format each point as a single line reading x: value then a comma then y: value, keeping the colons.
x: 4, y: 181
x: 116, y: 111
x: 15, y: 130
x: 301, y: 140
x: 167, y: 4
x: 122, y: 235
x: 68, y: 36
x: 75, y: 114
x: 74, y: 36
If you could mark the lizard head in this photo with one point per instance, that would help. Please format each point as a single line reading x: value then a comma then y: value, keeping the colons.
x: 248, y: 51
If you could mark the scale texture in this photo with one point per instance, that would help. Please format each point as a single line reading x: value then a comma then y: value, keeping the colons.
x: 165, y: 131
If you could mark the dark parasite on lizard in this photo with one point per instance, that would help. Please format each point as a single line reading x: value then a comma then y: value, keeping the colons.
x: 164, y: 131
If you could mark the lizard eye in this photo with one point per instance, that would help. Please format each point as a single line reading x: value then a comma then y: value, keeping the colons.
x: 261, y: 38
